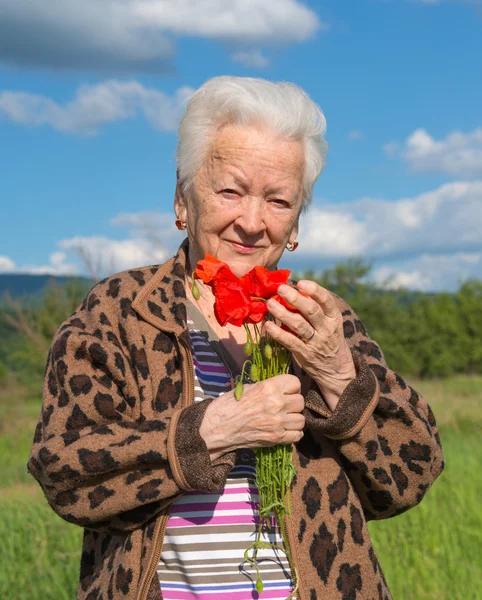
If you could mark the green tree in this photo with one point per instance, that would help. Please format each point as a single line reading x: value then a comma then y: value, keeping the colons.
x: 32, y: 325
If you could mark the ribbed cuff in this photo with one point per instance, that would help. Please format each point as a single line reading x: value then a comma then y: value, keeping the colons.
x: 354, y: 408
x: 188, y: 454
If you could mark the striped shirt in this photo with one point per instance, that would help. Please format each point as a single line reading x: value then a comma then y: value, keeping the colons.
x: 207, y: 534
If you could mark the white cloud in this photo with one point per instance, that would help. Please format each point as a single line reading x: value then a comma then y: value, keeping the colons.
x: 151, y: 238
x: 96, y: 105
x: 6, y: 264
x: 391, y: 278
x: 237, y: 21
x: 458, y: 154
x: 431, y: 272
x: 57, y: 266
x: 57, y: 259
x: 102, y: 256
x: 138, y: 35
x: 447, y: 218
x: 410, y: 238
x: 88, y: 35
x: 251, y: 58
x: 332, y: 232
x: 356, y: 134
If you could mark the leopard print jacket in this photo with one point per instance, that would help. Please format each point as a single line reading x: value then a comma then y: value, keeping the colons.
x: 118, y: 440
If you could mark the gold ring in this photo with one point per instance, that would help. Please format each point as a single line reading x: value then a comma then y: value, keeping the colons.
x: 311, y: 336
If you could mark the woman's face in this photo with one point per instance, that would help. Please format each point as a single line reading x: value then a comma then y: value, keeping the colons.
x: 246, y: 199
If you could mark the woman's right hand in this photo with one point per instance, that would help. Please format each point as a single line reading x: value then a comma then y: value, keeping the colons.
x: 268, y: 413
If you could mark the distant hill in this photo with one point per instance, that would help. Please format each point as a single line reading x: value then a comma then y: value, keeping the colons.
x: 24, y: 284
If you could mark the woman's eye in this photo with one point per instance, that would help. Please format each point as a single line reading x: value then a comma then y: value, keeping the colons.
x: 230, y: 192
x: 280, y: 202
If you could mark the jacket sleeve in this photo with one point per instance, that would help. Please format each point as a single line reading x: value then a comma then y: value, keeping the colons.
x: 384, y: 430
x: 99, y: 461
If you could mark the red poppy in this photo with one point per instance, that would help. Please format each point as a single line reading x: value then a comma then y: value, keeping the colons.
x: 258, y: 311
x: 239, y: 301
x: 232, y: 302
x: 210, y: 269
x: 263, y: 283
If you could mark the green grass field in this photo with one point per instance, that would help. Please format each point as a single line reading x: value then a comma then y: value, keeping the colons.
x: 432, y: 552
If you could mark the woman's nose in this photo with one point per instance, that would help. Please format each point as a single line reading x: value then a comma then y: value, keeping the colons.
x: 251, y: 218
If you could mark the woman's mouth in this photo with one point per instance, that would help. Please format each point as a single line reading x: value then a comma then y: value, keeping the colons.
x: 243, y: 248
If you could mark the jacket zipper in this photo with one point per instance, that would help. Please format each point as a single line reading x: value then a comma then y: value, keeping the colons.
x: 156, y: 555
x: 159, y: 536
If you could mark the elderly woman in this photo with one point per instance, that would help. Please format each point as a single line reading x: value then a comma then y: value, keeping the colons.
x: 141, y: 440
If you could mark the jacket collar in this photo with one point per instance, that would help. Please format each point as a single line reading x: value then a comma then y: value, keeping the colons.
x: 162, y: 301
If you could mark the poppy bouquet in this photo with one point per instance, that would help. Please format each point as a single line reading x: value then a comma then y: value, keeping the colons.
x: 242, y: 302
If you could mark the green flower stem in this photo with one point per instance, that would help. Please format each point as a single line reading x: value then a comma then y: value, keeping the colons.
x: 274, y: 466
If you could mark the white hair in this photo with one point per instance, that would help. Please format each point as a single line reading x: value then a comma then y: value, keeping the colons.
x: 226, y: 100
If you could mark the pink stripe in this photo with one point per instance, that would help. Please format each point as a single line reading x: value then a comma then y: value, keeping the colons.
x: 225, y: 520
x: 214, y: 520
x: 211, y: 506
x: 179, y: 595
x: 241, y: 490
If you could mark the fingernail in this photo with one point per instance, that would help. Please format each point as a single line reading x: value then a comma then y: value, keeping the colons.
x: 302, y: 284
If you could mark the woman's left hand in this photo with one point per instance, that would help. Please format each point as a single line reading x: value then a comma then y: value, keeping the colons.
x: 316, y: 340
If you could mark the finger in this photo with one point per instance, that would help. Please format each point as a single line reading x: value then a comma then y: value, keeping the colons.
x: 289, y: 384
x: 290, y: 341
x: 292, y: 437
x: 296, y: 322
x: 323, y: 297
x: 295, y: 403
x: 296, y: 422
x: 308, y: 307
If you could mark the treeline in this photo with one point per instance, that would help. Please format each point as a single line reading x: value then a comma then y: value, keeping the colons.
x: 422, y: 335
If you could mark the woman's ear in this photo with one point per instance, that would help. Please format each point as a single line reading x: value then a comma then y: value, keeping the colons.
x: 180, y: 207
x: 294, y: 231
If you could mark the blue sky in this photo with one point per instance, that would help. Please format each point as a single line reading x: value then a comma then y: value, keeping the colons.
x: 91, y: 94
